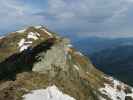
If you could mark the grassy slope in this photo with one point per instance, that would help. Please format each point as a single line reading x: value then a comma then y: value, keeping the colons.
x: 81, y: 84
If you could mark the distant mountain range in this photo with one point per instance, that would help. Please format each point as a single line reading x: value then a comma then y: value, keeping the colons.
x: 117, y: 61
x: 112, y: 56
x: 90, y: 45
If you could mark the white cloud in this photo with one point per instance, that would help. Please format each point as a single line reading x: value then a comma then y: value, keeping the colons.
x: 78, y: 16
x: 14, y: 14
x: 92, y: 16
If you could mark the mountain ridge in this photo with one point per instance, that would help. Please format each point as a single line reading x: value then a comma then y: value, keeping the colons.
x: 40, y: 59
x: 119, y: 59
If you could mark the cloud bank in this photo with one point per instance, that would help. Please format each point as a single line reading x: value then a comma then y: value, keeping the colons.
x: 85, y: 17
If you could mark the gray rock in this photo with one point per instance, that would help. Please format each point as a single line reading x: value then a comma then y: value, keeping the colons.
x: 55, y: 57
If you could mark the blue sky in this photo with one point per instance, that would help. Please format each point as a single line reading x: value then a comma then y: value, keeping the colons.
x: 106, y: 18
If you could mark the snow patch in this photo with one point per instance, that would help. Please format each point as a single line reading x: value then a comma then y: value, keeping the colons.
x: 23, y: 44
x: 76, y: 67
x: 2, y: 37
x: 116, y: 90
x: 79, y: 53
x: 69, y: 45
x: 28, y: 42
x: 47, y: 32
x: 21, y: 31
x: 32, y: 35
x: 38, y: 27
x: 50, y: 93
x: 66, y: 54
x: 24, y: 47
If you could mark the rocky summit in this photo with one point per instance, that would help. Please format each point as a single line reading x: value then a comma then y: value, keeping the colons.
x: 37, y: 64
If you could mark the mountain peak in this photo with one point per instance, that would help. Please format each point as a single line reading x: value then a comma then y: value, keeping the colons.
x: 24, y: 39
